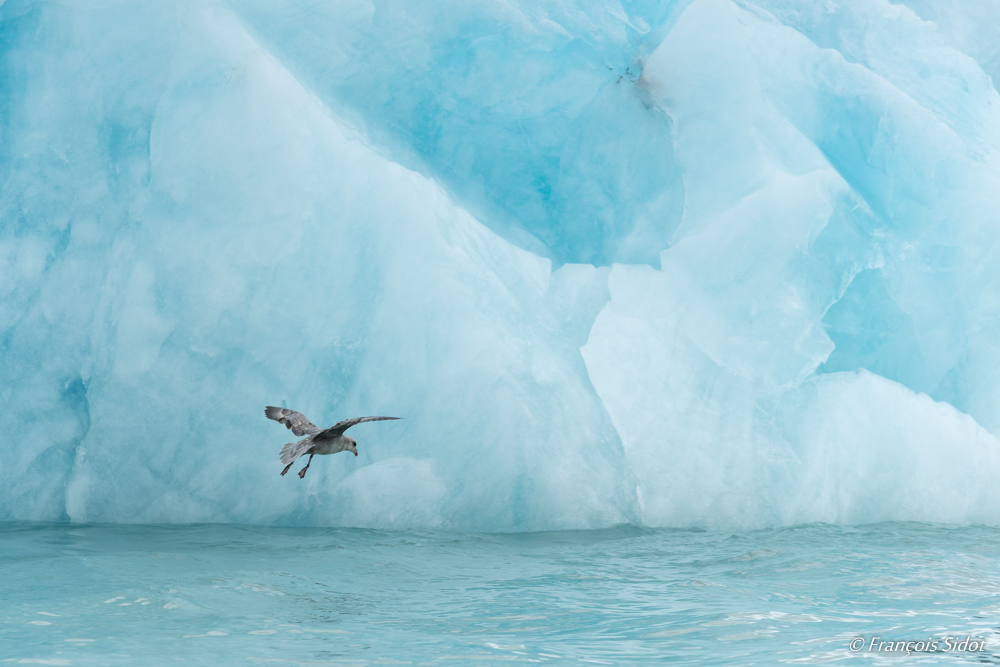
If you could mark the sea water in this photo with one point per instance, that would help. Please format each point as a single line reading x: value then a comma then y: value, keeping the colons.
x: 225, y: 594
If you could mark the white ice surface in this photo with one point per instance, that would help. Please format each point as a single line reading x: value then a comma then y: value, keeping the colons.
x: 708, y: 263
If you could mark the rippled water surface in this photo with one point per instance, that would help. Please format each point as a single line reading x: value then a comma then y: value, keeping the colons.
x: 215, y: 594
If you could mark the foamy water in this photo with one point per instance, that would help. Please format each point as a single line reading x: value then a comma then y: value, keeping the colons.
x: 133, y: 595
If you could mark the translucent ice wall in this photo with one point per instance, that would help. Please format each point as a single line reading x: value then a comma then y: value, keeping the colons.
x: 700, y: 263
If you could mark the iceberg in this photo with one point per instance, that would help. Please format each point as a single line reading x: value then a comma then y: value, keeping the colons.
x: 705, y: 263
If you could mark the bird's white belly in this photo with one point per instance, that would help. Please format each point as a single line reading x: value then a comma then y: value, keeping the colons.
x: 337, y: 444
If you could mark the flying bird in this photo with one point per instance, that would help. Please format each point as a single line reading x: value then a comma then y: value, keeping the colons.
x: 317, y: 441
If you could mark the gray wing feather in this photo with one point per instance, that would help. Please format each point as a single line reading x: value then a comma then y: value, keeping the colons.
x: 340, y: 427
x: 295, y: 421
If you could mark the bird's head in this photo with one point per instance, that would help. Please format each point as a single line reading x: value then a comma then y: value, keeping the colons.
x: 352, y: 446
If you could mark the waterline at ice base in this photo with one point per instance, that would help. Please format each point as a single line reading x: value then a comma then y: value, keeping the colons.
x: 697, y: 264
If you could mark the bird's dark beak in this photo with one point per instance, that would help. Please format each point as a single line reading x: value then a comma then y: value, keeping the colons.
x: 355, y: 453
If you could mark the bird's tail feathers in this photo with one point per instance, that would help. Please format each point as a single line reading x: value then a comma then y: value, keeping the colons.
x: 294, y: 450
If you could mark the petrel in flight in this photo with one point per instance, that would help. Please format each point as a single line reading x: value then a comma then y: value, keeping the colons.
x: 329, y: 441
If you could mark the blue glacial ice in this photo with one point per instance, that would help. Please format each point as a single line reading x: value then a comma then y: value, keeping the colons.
x: 711, y: 263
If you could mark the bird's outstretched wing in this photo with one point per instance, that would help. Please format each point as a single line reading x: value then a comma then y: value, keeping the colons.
x: 295, y: 421
x: 340, y: 427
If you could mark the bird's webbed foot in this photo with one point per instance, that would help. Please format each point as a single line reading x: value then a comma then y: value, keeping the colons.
x: 302, y: 473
